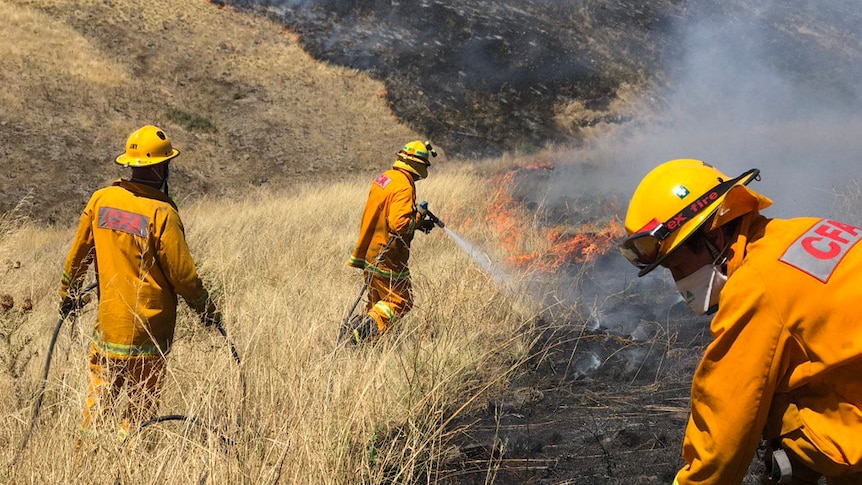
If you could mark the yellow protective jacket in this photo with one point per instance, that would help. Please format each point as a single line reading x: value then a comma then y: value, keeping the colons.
x: 134, y: 234
x: 389, y: 211
x: 787, y: 349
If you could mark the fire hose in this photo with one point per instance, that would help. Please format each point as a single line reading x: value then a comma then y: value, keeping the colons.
x: 192, y: 419
x: 80, y: 301
x: 367, y: 280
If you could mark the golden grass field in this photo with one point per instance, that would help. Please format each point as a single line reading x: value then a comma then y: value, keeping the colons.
x: 277, y: 154
x: 312, y: 413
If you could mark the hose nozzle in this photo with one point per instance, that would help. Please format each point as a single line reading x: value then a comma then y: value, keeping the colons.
x: 427, y: 214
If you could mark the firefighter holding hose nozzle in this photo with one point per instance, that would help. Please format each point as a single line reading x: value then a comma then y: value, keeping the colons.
x: 785, y: 362
x: 386, y: 231
x: 132, y: 231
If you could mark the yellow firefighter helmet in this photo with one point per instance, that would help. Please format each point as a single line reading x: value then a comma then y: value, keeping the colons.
x: 674, y: 200
x: 414, y: 158
x: 148, y: 145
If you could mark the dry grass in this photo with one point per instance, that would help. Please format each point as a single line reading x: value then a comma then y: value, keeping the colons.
x: 241, y: 100
x: 312, y: 414
x: 251, y: 113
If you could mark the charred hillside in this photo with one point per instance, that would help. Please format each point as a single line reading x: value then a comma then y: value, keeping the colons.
x: 485, y: 76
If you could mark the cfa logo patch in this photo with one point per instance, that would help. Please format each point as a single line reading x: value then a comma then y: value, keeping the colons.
x: 821, y: 248
x: 680, y: 191
x: 383, y: 180
x: 123, y: 221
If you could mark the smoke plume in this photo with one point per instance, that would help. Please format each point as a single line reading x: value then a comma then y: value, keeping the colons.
x: 771, y: 87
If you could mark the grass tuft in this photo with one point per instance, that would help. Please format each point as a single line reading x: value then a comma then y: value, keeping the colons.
x: 191, y: 121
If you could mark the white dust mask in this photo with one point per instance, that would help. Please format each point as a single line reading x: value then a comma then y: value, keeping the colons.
x: 701, y: 289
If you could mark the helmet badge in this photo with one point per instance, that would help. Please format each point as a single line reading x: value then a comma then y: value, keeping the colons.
x: 680, y: 191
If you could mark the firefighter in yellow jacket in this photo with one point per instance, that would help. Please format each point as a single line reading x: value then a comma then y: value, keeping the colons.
x: 385, y: 233
x: 132, y: 233
x: 786, y: 357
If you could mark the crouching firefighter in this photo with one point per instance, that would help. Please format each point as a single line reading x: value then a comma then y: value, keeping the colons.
x: 133, y: 234
x: 388, y: 223
x: 786, y: 357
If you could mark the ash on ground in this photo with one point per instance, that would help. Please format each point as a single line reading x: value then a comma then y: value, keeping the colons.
x: 604, y: 398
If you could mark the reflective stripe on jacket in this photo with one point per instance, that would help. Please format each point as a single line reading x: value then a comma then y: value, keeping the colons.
x: 787, y: 349
x: 134, y: 235
x: 389, y: 211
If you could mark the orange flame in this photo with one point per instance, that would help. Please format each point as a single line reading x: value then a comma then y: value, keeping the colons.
x: 529, y: 244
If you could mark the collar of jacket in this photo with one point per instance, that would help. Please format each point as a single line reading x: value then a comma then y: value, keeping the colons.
x: 409, y: 177
x: 144, y: 190
x: 751, y: 228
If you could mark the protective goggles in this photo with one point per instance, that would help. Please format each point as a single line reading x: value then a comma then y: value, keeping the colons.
x: 643, y: 248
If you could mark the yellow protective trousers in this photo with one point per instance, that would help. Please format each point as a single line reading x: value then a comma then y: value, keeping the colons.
x: 142, y: 379
x: 388, y: 299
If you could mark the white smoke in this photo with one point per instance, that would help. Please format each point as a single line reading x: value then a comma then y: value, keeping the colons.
x: 740, y: 97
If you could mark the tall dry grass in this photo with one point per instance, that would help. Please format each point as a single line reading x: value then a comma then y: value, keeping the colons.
x: 312, y: 413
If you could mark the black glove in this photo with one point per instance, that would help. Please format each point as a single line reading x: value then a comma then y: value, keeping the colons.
x: 211, y: 319
x: 425, y: 225
x: 70, y: 305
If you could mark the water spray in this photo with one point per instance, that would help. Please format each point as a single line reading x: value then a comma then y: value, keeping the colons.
x: 476, y: 254
x: 479, y: 257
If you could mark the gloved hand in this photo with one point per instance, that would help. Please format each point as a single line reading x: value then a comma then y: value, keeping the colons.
x: 359, y: 329
x: 70, y: 305
x: 365, y: 329
x: 425, y: 225
x: 211, y: 319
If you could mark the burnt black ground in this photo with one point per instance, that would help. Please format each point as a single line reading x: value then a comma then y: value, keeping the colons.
x: 621, y: 423
x: 604, y: 397
x: 482, y: 77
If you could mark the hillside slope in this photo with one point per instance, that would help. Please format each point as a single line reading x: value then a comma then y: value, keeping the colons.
x: 240, y: 99
x: 485, y: 76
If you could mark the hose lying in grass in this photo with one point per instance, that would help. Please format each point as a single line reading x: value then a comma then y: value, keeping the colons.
x: 82, y: 300
x: 225, y: 442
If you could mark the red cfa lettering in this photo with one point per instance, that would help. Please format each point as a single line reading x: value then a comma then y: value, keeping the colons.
x: 124, y: 221
x: 821, y: 248
x: 829, y: 239
x: 383, y: 180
